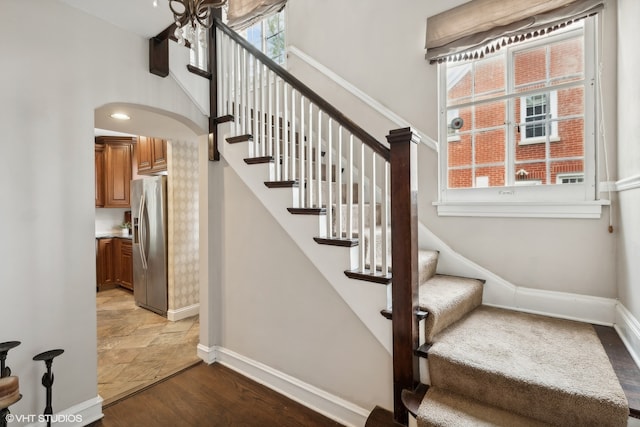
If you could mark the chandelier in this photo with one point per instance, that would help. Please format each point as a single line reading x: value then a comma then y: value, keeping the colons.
x: 194, y: 12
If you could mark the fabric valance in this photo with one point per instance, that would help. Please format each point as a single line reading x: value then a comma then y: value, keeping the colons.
x: 243, y: 13
x: 479, y: 26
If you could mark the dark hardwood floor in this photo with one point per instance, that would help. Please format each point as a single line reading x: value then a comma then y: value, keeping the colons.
x: 209, y: 395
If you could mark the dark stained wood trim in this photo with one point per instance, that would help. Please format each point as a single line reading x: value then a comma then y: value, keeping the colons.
x: 214, y: 153
x: 170, y: 33
x: 367, y: 277
x: 258, y: 160
x: 305, y: 91
x: 423, y: 350
x: 199, y: 72
x: 381, y: 417
x: 413, y: 399
x: 223, y: 119
x: 159, y: 56
x: 348, y: 243
x: 281, y: 184
x: 420, y: 314
x: 307, y: 211
x: 239, y: 138
x: 404, y: 258
x: 624, y: 366
x: 386, y: 313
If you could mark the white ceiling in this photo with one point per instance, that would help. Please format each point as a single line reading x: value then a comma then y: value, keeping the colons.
x: 137, y: 16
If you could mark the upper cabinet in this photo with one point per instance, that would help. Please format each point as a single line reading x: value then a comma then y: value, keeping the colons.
x: 151, y: 155
x: 115, y: 180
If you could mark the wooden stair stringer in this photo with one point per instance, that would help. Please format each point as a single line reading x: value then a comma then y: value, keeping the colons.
x: 363, y: 298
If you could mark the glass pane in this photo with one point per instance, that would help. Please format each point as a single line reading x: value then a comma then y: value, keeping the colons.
x: 490, y: 148
x: 567, y: 61
x: 254, y: 35
x: 531, y: 173
x: 530, y: 66
x: 567, y: 172
x: 571, y: 102
x: 460, y: 178
x: 490, y: 177
x: 570, y: 141
x: 276, y: 48
x: 490, y: 114
x: 489, y: 78
x: 459, y: 152
x: 459, y: 83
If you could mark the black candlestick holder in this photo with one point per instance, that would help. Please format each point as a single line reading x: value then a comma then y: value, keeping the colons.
x: 5, y: 371
x: 47, y: 379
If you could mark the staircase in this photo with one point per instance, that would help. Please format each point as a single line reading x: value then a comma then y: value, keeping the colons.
x: 329, y: 183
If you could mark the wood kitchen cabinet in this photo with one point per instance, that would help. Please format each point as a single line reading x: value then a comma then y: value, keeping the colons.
x: 99, y: 155
x: 151, y: 155
x: 114, y: 263
x: 114, y: 181
x: 124, y: 263
x: 104, y: 263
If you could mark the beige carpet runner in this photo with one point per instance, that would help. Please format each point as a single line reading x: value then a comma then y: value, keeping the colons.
x: 498, y: 367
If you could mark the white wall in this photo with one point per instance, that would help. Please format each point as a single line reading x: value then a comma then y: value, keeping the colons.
x: 58, y: 66
x: 629, y: 154
x: 277, y: 308
x: 380, y: 50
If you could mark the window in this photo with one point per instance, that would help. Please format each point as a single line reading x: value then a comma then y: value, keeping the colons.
x: 527, y: 115
x: 268, y: 36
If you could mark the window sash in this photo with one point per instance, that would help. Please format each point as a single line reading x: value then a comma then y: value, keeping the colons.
x: 584, y: 191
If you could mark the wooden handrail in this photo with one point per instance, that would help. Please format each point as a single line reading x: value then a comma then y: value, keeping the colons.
x: 308, y: 93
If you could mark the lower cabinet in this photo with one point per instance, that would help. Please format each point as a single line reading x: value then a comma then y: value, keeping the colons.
x: 114, y: 263
x: 124, y: 263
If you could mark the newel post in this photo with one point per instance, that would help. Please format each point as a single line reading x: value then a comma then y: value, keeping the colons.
x: 404, y: 259
x: 214, y: 154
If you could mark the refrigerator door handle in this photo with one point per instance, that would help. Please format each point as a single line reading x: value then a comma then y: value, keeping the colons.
x: 142, y: 232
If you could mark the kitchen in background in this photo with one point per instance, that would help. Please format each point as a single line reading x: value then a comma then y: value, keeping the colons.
x: 147, y: 259
x: 122, y: 159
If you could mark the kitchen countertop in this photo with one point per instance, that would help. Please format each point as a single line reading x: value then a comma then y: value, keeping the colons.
x: 111, y: 235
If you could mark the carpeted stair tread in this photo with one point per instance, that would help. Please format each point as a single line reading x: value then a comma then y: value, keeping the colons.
x: 447, y: 299
x: 549, y: 369
x: 441, y: 408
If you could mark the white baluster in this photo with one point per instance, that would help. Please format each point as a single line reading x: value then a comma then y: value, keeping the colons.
x: 270, y: 118
x: 292, y: 138
x: 350, y: 161
x: 219, y: 67
x: 338, y: 211
x: 329, y: 200
x: 372, y: 214
x: 319, y: 161
x: 309, y: 157
x: 361, y: 210
x: 285, y: 132
x: 277, y: 124
x: 301, y: 167
x: 386, y: 203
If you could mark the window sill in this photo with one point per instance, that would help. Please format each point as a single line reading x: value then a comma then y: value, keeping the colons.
x: 539, y: 140
x: 577, y: 210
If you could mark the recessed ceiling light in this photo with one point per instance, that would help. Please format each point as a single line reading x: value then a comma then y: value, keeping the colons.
x: 120, y: 116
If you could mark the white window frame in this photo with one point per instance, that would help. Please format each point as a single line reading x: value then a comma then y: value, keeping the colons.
x: 518, y: 199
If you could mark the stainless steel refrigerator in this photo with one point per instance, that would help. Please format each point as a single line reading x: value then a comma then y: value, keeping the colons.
x: 149, y: 222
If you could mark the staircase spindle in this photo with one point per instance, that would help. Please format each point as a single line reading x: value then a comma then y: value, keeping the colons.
x: 309, y: 158
x: 361, y: 208
x: 285, y: 132
x: 372, y: 215
x: 318, y: 160
x: 277, y: 128
x: 338, y: 228
x: 301, y: 166
x: 385, y: 220
x: 329, y: 166
x: 294, y: 139
x: 350, y: 172
x: 243, y: 90
x: 270, y: 118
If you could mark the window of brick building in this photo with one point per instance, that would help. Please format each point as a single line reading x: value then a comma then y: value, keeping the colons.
x: 528, y: 125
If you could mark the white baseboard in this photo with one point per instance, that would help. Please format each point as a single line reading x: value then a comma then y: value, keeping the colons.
x: 79, y: 415
x: 628, y: 329
x: 312, y: 397
x: 208, y: 354
x: 183, y: 313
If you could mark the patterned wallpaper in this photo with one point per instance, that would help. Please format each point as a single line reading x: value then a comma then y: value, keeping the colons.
x: 182, y: 189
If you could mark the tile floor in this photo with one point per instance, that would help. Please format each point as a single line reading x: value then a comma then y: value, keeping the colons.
x: 137, y: 347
